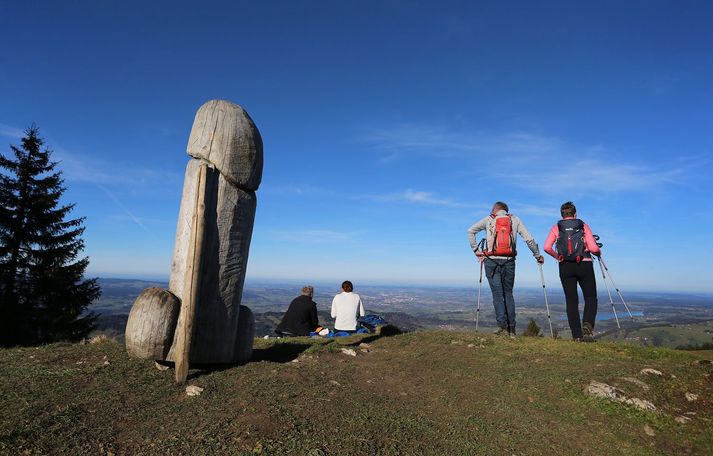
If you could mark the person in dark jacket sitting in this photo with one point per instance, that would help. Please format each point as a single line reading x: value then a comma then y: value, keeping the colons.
x: 301, y: 317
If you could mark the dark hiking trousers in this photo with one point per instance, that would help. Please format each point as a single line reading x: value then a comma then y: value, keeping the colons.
x: 581, y: 273
x: 501, y: 277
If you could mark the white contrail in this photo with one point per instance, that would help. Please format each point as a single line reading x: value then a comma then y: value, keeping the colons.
x: 125, y: 209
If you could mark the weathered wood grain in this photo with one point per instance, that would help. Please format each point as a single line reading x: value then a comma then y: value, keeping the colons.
x: 152, y: 320
x: 225, y: 138
x: 228, y: 231
x: 214, y: 328
x: 246, y: 334
x: 192, y: 281
x: 225, y: 135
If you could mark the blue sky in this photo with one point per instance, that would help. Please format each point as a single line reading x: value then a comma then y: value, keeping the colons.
x: 389, y: 128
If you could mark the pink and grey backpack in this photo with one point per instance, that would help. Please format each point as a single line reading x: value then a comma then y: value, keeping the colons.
x: 570, y: 243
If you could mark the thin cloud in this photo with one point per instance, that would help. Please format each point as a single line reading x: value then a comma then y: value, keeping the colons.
x: 80, y: 168
x: 315, y: 236
x: 420, y: 197
x: 528, y: 159
x: 440, y: 141
x: 410, y: 137
x: 583, y: 176
x: 9, y: 131
x: 100, y: 173
x: 537, y: 211
x: 143, y: 220
x: 77, y: 168
x: 293, y: 190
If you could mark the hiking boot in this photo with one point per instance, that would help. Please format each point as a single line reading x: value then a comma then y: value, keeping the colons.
x: 501, y: 332
x: 587, y: 332
x: 511, y: 332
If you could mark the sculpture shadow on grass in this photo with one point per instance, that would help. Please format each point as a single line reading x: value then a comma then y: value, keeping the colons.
x: 279, y: 353
x: 381, y: 331
x: 198, y: 370
x: 285, y: 352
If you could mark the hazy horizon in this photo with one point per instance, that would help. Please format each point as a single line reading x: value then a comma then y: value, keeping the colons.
x: 321, y: 283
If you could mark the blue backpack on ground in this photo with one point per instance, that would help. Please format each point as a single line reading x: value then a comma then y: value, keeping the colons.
x: 371, y: 322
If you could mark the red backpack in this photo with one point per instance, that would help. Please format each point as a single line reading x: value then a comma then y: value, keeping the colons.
x: 504, y: 240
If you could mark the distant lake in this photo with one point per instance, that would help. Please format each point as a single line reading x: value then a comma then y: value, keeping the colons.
x: 602, y: 316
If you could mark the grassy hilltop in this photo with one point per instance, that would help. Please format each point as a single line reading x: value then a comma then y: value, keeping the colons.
x: 439, y: 393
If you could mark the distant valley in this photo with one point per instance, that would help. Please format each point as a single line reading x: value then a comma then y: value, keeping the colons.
x: 660, y: 319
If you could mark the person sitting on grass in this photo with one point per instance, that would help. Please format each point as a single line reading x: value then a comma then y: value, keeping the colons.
x: 346, y: 308
x: 301, y: 317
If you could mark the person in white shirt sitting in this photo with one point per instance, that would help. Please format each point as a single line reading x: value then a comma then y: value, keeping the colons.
x: 346, y: 308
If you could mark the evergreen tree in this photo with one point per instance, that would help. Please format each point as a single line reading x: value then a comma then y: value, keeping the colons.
x: 533, y: 329
x: 43, y: 293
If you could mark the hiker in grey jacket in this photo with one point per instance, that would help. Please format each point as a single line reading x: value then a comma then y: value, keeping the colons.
x: 497, y: 250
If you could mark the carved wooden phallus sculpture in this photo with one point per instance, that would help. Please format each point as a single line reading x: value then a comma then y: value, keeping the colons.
x: 210, y: 257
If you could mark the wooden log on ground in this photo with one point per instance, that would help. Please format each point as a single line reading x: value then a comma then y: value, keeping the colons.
x: 152, y: 321
x: 192, y: 281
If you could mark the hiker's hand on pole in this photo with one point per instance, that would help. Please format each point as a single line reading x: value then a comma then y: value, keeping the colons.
x: 540, y: 259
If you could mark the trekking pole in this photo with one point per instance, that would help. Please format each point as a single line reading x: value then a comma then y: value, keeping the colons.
x: 604, y: 277
x: 602, y: 263
x: 547, y: 306
x: 480, y: 285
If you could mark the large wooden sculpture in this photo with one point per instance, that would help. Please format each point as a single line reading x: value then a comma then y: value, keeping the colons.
x: 210, y: 256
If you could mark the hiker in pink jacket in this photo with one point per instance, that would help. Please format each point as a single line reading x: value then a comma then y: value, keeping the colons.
x: 575, y: 246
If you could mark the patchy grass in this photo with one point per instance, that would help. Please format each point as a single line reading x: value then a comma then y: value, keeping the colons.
x: 419, y: 393
x: 667, y: 335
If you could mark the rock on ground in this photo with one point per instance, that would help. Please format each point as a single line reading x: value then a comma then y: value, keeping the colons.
x: 636, y: 382
x: 194, y: 390
x: 690, y: 397
x: 599, y: 389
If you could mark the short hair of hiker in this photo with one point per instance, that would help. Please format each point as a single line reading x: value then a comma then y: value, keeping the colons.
x: 501, y: 205
x: 308, y: 290
x: 347, y: 286
x: 568, y: 209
